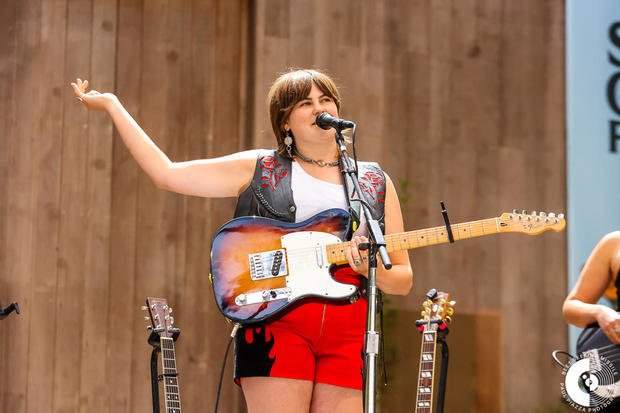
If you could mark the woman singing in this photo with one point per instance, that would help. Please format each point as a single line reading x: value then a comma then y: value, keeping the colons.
x: 309, y: 359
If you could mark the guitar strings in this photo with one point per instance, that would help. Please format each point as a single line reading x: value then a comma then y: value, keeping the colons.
x: 608, y: 346
x: 395, y: 240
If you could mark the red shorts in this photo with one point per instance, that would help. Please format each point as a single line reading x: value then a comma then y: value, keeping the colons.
x: 315, y: 341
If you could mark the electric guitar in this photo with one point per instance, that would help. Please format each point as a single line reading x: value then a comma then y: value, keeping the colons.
x: 260, y: 266
x: 162, y: 321
x: 438, y: 309
x: 604, y: 361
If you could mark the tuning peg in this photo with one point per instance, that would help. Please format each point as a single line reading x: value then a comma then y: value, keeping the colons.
x: 450, y: 311
x: 171, y: 320
x: 515, y: 211
x: 452, y: 303
x: 147, y: 318
x: 169, y: 310
x: 144, y: 308
x: 524, y: 212
x: 543, y: 214
x: 423, y: 313
x: 552, y: 214
x: 149, y: 328
x: 533, y: 213
x: 448, y: 319
x: 560, y: 216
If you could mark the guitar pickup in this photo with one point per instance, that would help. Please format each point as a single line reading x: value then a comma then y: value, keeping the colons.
x: 268, y: 264
x: 263, y: 296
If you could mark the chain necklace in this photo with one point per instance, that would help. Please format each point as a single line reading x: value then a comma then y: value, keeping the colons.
x: 319, y: 162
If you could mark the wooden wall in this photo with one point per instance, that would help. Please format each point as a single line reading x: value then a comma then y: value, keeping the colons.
x: 461, y: 101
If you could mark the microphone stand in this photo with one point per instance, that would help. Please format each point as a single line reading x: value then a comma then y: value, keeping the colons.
x: 376, y: 244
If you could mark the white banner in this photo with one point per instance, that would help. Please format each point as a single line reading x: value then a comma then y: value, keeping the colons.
x: 593, y: 129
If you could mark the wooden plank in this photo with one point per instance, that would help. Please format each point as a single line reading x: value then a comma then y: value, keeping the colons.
x: 227, y: 51
x: 8, y: 61
x: 372, y: 79
x: 46, y: 178
x: 93, y: 371
x: 277, y: 14
x: 73, y: 216
x: 19, y: 225
x: 515, y: 319
x: 301, y: 48
x: 150, y: 251
x: 122, y: 298
x: 191, y: 310
x: 488, y: 361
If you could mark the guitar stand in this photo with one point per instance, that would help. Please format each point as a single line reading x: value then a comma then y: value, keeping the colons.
x: 155, y: 377
x: 4, y: 312
x: 443, y: 375
x: 442, y: 332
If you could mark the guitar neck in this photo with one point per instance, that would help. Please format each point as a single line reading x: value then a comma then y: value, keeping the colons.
x: 171, y: 383
x: 424, y: 400
x: 423, y: 237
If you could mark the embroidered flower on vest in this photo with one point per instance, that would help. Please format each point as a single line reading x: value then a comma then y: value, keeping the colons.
x: 369, y: 183
x: 272, y: 171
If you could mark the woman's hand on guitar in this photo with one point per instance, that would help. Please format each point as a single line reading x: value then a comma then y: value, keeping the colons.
x: 609, y: 321
x: 93, y: 100
x: 358, y: 260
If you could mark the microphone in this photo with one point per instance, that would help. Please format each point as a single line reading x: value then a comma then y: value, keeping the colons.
x: 326, y: 121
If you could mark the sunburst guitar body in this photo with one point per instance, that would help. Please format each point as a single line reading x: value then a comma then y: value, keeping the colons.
x: 259, y: 266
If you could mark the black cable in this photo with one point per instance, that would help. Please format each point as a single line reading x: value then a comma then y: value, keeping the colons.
x: 555, y: 353
x: 385, y: 377
x: 219, y: 386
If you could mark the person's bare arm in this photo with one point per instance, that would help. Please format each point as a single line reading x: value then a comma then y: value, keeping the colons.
x: 580, y: 308
x: 218, y: 177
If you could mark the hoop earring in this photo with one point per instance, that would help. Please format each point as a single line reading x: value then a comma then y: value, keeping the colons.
x: 288, y: 141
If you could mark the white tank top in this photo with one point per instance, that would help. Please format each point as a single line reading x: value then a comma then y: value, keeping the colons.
x: 312, y: 195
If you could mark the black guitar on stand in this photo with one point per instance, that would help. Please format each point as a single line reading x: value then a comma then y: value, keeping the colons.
x: 162, y: 338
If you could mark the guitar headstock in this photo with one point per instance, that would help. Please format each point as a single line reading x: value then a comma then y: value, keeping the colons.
x: 159, y: 314
x: 438, y: 308
x: 530, y: 223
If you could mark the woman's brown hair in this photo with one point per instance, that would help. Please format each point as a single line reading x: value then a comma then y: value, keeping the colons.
x: 289, y: 89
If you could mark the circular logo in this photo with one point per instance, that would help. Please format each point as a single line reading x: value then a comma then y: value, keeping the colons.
x: 590, y: 383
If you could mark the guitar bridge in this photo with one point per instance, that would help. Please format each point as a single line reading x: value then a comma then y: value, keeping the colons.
x: 268, y: 264
x: 263, y: 296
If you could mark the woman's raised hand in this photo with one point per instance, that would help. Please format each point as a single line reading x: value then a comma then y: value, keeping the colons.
x: 93, y: 100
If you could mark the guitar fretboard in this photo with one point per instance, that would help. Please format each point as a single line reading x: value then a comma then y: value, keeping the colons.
x: 424, y: 400
x: 423, y: 238
x: 171, y: 384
